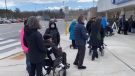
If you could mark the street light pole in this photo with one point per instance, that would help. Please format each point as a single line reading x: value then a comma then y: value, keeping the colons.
x: 6, y: 7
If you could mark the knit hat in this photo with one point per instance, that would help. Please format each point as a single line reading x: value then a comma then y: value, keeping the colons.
x: 47, y: 36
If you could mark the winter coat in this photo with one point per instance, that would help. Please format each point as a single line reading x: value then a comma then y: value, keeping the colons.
x: 80, y: 34
x: 97, y: 34
x: 55, y: 50
x: 104, y: 22
x: 23, y: 46
x: 34, y: 41
x: 54, y: 32
x: 133, y: 25
x: 89, y: 25
x: 71, y: 30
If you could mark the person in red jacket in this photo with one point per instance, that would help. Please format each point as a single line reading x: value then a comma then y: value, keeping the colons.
x: 25, y: 48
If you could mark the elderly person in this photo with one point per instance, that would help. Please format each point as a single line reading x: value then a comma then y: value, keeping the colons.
x: 34, y: 42
x: 72, y: 37
x: 96, y: 36
x: 80, y: 40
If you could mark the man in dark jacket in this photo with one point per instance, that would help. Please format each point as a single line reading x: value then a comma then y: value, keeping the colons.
x: 119, y: 25
x: 126, y: 26
x: 96, y: 36
x: 80, y: 40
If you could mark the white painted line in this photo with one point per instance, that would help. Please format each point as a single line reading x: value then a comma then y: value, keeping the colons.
x: 10, y: 52
x: 10, y: 45
x: 7, y: 41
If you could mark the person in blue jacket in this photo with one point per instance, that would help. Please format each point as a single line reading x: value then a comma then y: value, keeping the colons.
x: 104, y: 22
x: 72, y: 37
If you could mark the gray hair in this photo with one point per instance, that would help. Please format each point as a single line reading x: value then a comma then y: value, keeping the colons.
x: 80, y: 18
x: 33, y: 22
x: 99, y: 19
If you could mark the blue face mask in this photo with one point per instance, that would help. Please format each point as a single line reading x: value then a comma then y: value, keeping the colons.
x: 52, y: 26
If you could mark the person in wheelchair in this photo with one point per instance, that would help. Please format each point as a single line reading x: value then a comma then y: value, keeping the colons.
x: 53, y: 48
x: 109, y: 28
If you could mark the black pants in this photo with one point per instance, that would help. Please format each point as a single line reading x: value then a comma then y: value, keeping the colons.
x: 37, y: 68
x: 119, y: 30
x: 80, y: 55
x: 126, y: 29
x: 95, y: 53
x: 73, y: 44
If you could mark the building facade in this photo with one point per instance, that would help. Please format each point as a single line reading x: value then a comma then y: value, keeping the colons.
x: 116, y: 8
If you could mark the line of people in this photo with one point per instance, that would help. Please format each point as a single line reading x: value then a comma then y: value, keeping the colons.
x: 78, y: 34
x: 127, y: 25
x: 33, y: 44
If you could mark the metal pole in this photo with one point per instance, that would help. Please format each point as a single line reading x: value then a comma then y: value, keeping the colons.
x: 43, y: 10
x: 35, y: 9
x: 6, y: 8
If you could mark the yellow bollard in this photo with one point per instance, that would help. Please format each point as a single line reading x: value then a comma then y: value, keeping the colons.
x: 66, y: 29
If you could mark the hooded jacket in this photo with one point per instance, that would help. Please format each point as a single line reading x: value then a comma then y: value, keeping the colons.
x: 54, y: 32
x: 104, y: 22
x: 34, y: 41
x: 71, y: 30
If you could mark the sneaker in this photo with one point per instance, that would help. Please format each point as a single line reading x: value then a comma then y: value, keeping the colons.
x: 82, y: 67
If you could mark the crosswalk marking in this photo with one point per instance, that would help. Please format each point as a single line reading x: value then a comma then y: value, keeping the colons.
x: 7, y: 41
x: 10, y: 45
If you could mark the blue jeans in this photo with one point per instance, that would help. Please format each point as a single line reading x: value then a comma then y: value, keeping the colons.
x: 27, y: 62
x: 132, y: 30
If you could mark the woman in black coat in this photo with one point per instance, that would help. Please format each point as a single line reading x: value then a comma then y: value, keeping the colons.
x: 96, y: 37
x: 54, y: 32
x: 36, y: 47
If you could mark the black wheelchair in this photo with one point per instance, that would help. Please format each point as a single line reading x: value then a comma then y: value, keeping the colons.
x: 51, y: 63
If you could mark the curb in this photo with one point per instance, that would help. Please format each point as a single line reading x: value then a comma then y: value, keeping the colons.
x: 10, y: 53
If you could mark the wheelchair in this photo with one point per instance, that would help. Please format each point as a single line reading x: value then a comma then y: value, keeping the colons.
x: 51, y: 63
x: 101, y: 49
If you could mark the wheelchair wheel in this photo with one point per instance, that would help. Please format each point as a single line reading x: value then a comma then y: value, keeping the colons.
x: 64, y: 73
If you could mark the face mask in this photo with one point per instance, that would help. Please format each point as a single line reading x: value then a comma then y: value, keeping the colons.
x: 52, y: 26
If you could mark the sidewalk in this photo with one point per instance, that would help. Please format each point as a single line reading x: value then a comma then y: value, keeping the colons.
x: 119, y: 59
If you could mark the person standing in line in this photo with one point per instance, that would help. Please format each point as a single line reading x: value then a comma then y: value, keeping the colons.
x: 25, y: 48
x: 104, y: 22
x: 53, y: 30
x: 89, y: 24
x: 130, y: 21
x: 119, y: 25
x: 36, y: 48
x: 126, y: 26
x: 96, y: 36
x: 133, y: 26
x: 80, y: 40
x: 72, y: 37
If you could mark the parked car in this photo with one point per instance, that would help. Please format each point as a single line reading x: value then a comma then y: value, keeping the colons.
x: 47, y: 19
x: 17, y: 21
x: 12, y: 21
x: 20, y: 20
x: 7, y: 21
x: 1, y: 22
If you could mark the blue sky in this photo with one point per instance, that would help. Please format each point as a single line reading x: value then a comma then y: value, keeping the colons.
x: 29, y: 5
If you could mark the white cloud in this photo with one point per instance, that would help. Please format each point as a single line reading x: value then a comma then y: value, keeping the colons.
x: 54, y: 8
x: 13, y: 2
x: 86, y: 0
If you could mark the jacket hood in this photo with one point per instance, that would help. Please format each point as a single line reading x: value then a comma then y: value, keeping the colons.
x: 54, y: 25
x: 73, y: 23
x: 48, y: 43
x: 28, y: 31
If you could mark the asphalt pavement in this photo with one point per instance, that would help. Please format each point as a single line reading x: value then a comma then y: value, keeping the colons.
x: 10, y: 34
